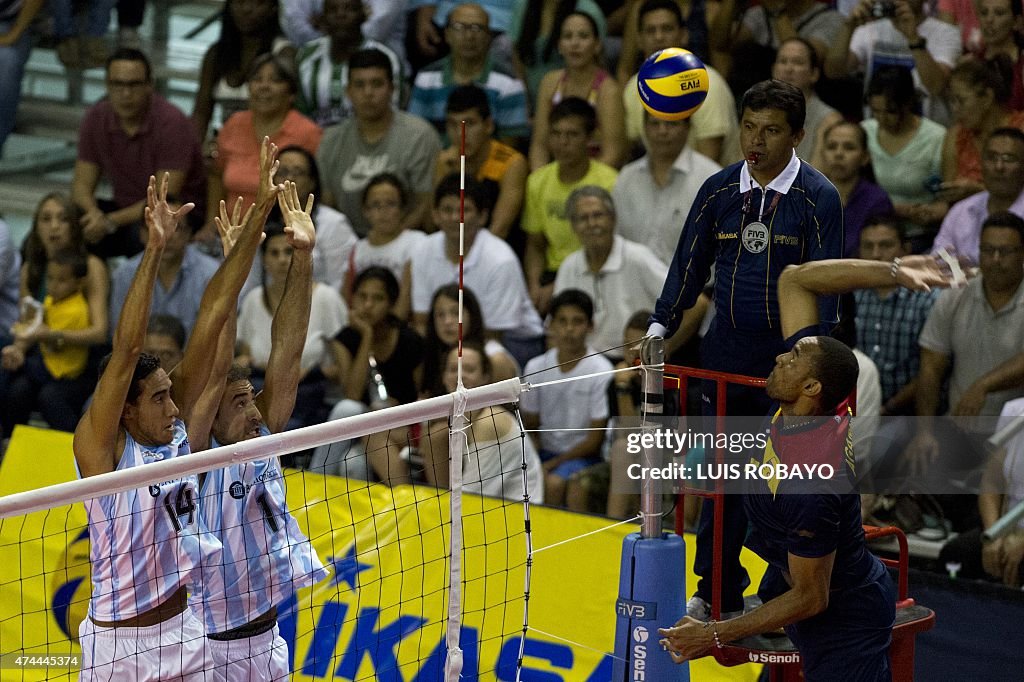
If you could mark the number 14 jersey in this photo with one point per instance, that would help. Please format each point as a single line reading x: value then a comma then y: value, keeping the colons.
x: 146, y: 543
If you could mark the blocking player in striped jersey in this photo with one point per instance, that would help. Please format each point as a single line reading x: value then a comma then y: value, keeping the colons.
x: 266, y: 558
x: 146, y: 543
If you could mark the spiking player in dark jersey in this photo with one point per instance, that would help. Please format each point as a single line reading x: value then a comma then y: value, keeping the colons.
x: 750, y: 220
x: 835, y: 600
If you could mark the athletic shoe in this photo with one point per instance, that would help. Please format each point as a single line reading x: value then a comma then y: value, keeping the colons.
x: 69, y: 53
x: 701, y: 610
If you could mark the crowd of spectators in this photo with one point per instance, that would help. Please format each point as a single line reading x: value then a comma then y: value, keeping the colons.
x: 574, y: 200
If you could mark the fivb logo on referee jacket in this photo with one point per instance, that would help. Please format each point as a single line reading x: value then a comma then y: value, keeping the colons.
x: 755, y: 237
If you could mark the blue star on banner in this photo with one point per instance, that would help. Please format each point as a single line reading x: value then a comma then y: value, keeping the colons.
x: 348, y: 568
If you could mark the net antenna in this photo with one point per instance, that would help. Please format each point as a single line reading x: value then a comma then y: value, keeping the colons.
x: 457, y: 448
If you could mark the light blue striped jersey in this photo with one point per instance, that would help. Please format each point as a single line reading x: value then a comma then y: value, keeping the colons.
x: 505, y: 93
x: 146, y: 543
x: 266, y: 557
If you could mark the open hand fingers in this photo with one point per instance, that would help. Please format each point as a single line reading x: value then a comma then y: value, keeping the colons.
x: 165, y: 182
x: 223, y: 216
x: 236, y: 213
x: 268, y: 151
x: 248, y: 213
x: 309, y: 204
x: 291, y: 196
x: 282, y: 202
x: 183, y: 210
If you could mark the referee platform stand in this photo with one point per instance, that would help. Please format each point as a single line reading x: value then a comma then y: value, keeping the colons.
x: 776, y: 651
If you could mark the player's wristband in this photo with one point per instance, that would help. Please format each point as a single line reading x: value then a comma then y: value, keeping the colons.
x: 895, y: 269
x: 714, y: 631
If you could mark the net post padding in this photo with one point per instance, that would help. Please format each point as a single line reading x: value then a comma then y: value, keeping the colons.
x: 652, y: 354
x: 506, y: 391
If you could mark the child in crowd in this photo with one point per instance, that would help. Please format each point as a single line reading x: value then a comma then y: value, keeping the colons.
x: 626, y: 391
x: 497, y: 450
x: 549, y: 235
x: 387, y: 244
x: 53, y: 378
x: 499, y: 168
x: 442, y: 334
x: 572, y: 415
x: 377, y: 356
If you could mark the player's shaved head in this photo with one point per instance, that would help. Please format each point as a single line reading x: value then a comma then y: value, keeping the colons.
x: 835, y: 366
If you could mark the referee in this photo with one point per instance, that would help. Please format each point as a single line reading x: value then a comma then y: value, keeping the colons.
x: 749, y: 220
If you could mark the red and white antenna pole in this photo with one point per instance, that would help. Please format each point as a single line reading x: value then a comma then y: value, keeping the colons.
x: 462, y: 236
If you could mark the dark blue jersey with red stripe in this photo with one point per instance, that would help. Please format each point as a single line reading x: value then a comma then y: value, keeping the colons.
x: 849, y: 640
x: 810, y: 517
x: 804, y: 224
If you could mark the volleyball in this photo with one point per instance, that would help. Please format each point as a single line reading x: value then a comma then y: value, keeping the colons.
x: 672, y: 84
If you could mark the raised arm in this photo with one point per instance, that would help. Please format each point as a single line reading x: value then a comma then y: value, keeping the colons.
x: 291, y: 319
x: 839, y: 60
x: 221, y: 295
x: 29, y: 10
x: 205, y: 411
x: 800, y: 285
x: 96, y: 436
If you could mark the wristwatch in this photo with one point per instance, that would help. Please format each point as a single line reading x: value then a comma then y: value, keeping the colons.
x: 919, y: 44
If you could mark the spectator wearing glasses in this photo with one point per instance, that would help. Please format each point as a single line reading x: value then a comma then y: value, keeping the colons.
x: 616, y: 273
x: 1002, y: 173
x: 468, y: 33
x: 125, y: 138
x: 973, y: 334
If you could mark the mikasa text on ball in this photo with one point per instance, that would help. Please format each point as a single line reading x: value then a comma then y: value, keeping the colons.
x: 672, y: 84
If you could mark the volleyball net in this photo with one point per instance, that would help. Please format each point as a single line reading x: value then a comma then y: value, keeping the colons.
x: 536, y: 587
x: 387, y: 610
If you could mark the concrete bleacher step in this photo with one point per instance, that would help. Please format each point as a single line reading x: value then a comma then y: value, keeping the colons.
x: 39, y: 157
x: 175, y: 36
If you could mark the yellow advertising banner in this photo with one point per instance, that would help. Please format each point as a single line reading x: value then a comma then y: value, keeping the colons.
x: 381, y: 614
